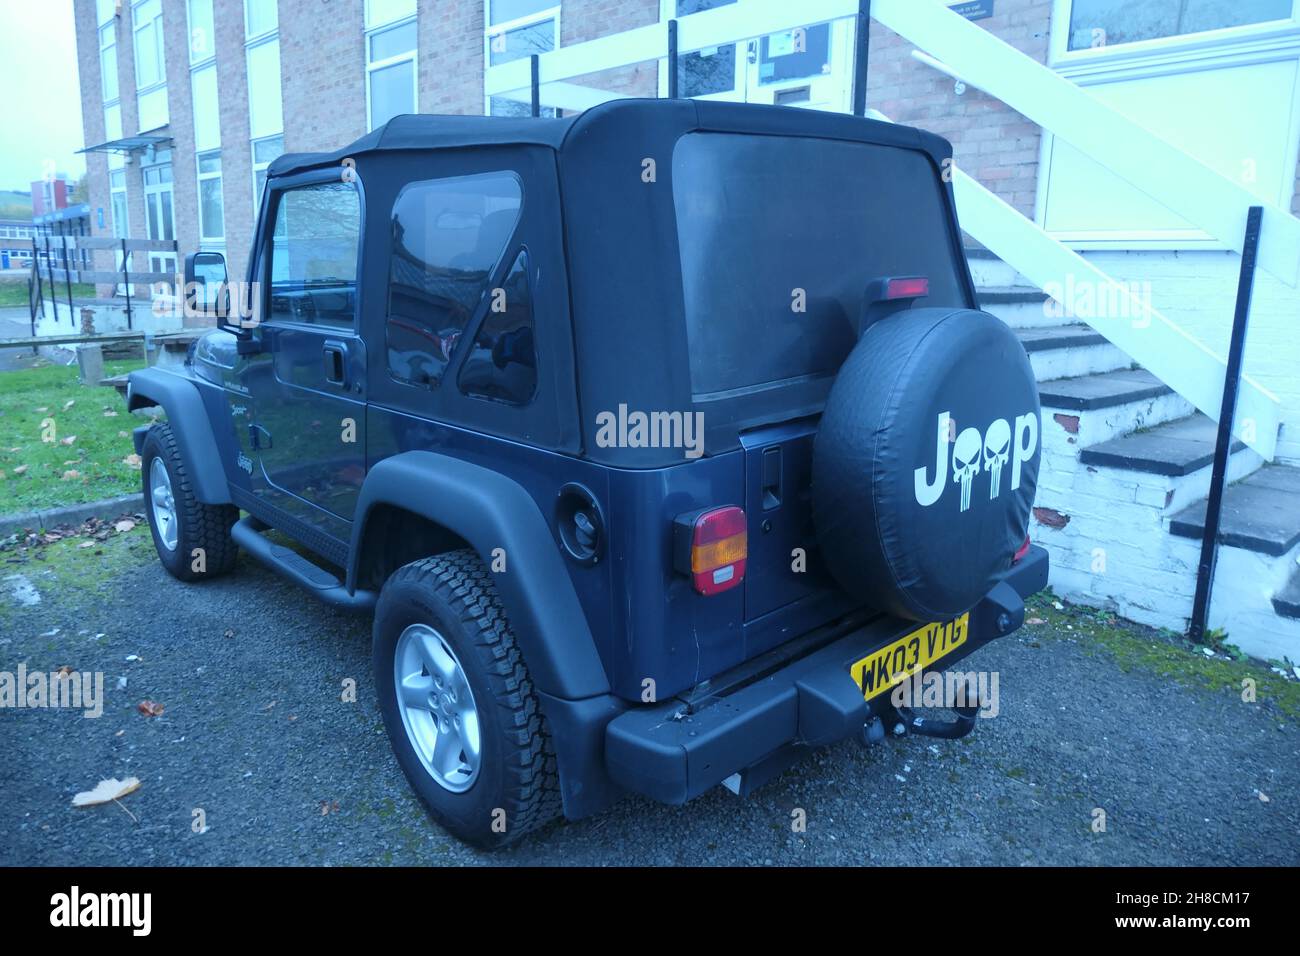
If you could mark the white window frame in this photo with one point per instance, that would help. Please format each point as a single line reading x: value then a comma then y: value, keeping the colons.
x: 261, y: 167
x: 1061, y: 57
x: 109, y: 29
x: 189, y: 33
x: 155, y: 25
x: 250, y: 37
x: 1231, y: 46
x: 491, y: 30
x: 411, y: 56
x: 206, y: 241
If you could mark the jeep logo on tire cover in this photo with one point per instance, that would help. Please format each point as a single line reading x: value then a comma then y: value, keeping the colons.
x: 973, y: 452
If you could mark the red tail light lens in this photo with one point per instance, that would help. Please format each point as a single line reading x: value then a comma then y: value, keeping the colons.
x: 1024, y: 550
x: 907, y: 287
x: 713, y: 547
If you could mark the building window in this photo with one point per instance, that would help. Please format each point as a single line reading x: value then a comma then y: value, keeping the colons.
x: 264, y: 151
x: 265, y: 109
x: 448, y: 236
x: 202, y: 42
x: 108, y: 60
x: 117, y: 203
x: 260, y: 18
x: 207, y: 120
x: 212, y: 226
x: 515, y: 29
x: 390, y: 61
x: 1106, y: 23
x: 150, y: 68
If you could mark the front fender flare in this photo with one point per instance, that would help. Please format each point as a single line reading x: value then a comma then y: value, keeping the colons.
x: 492, y: 511
x: 180, y: 399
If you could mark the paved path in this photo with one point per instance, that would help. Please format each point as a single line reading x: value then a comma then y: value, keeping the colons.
x: 254, y: 733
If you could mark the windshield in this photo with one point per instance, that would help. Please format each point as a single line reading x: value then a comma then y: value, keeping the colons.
x: 779, y: 237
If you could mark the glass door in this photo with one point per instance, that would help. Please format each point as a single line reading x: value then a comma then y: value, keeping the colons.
x: 160, y: 221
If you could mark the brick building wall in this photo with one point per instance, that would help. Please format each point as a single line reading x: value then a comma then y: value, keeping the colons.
x: 322, y: 73
x: 991, y: 141
x: 92, y: 125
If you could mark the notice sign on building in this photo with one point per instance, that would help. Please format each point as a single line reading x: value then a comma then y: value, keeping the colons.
x: 974, y: 9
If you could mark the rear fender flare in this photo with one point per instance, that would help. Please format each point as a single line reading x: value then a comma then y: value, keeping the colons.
x: 491, y: 511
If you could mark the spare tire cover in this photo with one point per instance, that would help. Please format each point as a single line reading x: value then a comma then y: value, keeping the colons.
x: 925, y: 462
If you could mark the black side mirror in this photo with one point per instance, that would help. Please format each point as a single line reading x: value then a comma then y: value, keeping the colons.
x: 207, y: 287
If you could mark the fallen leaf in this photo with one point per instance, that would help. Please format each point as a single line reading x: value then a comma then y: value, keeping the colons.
x: 68, y: 441
x: 106, y: 791
x: 110, y: 414
x: 69, y: 403
x: 1263, y: 797
x: 64, y: 671
x: 270, y: 706
x: 67, y: 475
x: 121, y: 434
x: 132, y: 459
x: 125, y: 525
x: 150, y: 708
x: 86, y: 544
x: 1035, y: 620
x: 43, y: 409
x: 326, y: 807
x: 21, y: 469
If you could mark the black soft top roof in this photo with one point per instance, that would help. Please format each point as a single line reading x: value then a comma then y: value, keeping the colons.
x: 428, y: 131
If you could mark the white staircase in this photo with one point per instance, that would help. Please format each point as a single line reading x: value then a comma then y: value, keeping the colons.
x: 1126, y: 470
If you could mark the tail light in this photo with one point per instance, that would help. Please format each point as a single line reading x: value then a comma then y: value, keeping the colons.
x: 711, y: 546
x: 1024, y: 550
x: 906, y: 287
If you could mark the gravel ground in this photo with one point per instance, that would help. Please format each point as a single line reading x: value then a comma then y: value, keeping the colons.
x: 254, y: 733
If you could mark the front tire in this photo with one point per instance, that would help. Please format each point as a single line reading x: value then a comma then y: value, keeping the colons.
x: 458, y: 702
x: 192, y: 538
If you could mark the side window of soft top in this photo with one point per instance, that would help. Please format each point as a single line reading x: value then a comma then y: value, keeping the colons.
x: 448, y: 236
x: 313, y: 252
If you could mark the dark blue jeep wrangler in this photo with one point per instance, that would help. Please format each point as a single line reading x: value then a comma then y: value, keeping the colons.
x: 663, y: 442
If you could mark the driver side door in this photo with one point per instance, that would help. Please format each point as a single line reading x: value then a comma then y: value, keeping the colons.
x: 308, y: 384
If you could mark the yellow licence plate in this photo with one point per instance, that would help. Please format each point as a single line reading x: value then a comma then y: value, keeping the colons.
x: 893, y: 663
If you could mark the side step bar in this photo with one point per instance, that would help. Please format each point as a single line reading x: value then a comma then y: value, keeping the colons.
x: 247, y: 533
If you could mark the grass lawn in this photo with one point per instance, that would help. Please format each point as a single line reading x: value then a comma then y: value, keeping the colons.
x: 62, y: 442
x: 13, y: 292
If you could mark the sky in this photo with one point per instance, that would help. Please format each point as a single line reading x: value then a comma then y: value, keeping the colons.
x: 40, y: 111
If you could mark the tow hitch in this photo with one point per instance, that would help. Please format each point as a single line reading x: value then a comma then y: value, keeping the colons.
x: 905, y: 720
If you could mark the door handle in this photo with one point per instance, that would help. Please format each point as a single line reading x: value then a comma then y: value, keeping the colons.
x: 336, y: 368
x: 771, y: 478
x: 258, y: 437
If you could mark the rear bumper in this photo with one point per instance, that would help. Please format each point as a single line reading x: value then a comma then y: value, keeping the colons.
x: 676, y: 750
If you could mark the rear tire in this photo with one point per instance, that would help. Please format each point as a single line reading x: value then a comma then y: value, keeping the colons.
x: 192, y: 538
x: 468, y: 731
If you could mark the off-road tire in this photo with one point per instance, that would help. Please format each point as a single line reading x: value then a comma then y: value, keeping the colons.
x: 516, y: 789
x: 199, y: 526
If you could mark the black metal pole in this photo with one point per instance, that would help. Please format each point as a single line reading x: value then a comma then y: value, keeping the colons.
x: 862, y: 40
x: 49, y: 269
x: 67, y: 281
x: 1223, y: 446
x: 126, y: 284
x: 672, y: 59
x: 537, y: 86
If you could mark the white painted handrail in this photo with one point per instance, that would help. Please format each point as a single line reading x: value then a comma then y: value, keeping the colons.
x: 1126, y: 319
x: 1201, y: 195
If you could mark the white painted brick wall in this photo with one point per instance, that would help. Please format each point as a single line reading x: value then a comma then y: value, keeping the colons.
x: 1198, y: 291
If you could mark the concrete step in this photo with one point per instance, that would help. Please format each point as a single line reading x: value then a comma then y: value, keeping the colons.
x: 1018, y: 306
x: 1091, y: 409
x: 1070, y: 351
x: 1174, y: 448
x: 1286, y: 602
x: 988, y: 270
x: 1260, y: 513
